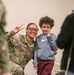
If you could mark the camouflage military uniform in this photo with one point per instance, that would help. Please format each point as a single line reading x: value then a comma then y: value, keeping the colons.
x: 20, y: 50
x: 4, y: 57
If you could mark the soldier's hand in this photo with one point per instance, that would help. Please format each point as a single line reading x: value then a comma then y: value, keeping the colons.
x: 18, y: 28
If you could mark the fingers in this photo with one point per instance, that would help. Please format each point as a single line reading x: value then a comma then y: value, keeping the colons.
x: 20, y: 27
x: 55, y: 52
x: 35, y: 68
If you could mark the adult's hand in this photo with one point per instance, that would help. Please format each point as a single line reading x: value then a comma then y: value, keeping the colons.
x: 18, y: 28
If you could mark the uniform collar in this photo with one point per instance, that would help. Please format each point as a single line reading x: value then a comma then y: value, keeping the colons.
x: 28, y: 42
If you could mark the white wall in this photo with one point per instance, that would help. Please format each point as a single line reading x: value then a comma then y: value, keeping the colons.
x: 26, y: 11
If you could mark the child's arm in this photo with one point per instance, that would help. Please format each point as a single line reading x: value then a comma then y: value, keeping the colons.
x: 52, y: 42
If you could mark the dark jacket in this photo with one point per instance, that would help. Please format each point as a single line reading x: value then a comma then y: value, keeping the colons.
x: 64, y: 41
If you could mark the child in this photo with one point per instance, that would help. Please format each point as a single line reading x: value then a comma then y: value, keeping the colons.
x: 46, y: 48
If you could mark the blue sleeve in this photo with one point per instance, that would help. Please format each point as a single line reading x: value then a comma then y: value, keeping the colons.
x: 52, y: 42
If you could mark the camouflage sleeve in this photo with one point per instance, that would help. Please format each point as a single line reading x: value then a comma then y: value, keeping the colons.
x: 2, y: 14
x: 11, y: 33
x: 4, y: 56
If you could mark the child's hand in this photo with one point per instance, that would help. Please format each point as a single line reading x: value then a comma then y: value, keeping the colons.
x: 35, y: 67
x: 55, y: 52
x: 48, y: 35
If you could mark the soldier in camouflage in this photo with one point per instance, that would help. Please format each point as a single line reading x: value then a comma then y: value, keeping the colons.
x: 4, y: 55
x: 21, y: 47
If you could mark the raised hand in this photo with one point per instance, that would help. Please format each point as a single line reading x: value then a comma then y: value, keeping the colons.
x: 17, y: 29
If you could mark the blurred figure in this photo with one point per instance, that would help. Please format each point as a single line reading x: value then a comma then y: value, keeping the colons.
x: 46, y: 48
x: 64, y: 41
x: 22, y: 47
x: 4, y: 56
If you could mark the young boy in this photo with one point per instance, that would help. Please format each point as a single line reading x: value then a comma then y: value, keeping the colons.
x: 46, y: 48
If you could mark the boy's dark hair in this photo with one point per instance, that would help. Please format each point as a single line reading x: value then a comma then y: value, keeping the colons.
x: 46, y: 20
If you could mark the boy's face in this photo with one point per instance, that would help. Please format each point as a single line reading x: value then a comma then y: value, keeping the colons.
x: 46, y: 29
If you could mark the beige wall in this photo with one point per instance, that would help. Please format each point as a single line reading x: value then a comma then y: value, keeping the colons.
x: 26, y: 11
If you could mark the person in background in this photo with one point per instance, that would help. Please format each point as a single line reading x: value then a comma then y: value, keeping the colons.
x: 64, y: 40
x: 21, y: 47
x: 46, y: 48
x: 4, y: 54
